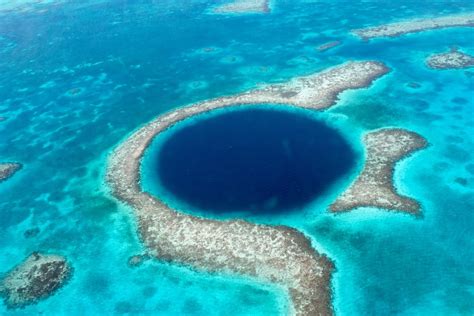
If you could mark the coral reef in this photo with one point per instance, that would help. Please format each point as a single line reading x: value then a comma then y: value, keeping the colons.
x: 454, y: 59
x: 38, y: 277
x: 374, y: 186
x: 417, y: 25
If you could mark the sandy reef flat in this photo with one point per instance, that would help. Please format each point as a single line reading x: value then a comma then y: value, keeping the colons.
x: 454, y: 59
x: 374, y: 186
x: 418, y: 25
x: 275, y: 254
x: 38, y: 277
x: 8, y: 169
x: 244, y: 6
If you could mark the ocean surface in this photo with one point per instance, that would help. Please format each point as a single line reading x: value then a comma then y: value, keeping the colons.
x: 77, y: 78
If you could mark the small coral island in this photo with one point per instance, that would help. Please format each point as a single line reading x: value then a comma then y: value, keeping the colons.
x: 454, y: 59
x: 8, y: 169
x: 374, y: 186
x: 38, y: 277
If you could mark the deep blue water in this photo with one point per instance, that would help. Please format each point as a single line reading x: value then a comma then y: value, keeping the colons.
x: 134, y: 60
x: 260, y: 160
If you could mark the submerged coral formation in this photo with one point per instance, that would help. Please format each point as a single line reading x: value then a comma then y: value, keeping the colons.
x: 374, y: 186
x: 38, y: 277
x: 418, y: 25
x: 326, y: 46
x: 8, y: 169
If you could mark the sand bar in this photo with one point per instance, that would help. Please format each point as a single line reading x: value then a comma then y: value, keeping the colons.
x: 374, y: 186
x: 38, y: 277
x: 275, y: 254
x: 413, y: 26
x: 454, y: 59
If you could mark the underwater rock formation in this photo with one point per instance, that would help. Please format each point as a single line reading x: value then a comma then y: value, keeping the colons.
x: 326, y: 46
x: 32, y: 232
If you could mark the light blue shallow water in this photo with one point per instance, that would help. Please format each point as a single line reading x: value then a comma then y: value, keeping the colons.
x: 77, y: 79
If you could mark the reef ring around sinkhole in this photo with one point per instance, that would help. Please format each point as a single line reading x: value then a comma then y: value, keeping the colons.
x: 280, y: 255
x: 255, y: 159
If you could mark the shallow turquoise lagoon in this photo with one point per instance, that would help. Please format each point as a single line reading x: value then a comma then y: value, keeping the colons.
x: 77, y: 79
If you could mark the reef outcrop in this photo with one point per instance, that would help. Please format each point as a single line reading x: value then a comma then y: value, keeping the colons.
x: 138, y: 260
x: 374, y: 186
x: 8, y: 169
x: 454, y: 59
x: 276, y: 254
x: 416, y: 25
x: 38, y: 277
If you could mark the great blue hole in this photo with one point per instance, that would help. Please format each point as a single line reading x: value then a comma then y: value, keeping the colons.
x: 262, y: 160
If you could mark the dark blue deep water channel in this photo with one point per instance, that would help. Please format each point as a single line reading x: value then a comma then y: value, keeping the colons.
x: 252, y: 159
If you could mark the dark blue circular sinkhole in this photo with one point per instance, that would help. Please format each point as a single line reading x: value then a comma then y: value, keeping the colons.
x: 262, y: 160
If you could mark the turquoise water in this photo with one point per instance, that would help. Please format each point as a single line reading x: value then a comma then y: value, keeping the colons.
x: 78, y: 79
